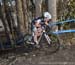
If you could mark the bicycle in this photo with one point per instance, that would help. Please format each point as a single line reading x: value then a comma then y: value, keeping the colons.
x: 52, y: 40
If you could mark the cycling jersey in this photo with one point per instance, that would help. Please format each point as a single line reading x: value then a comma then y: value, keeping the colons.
x: 35, y: 21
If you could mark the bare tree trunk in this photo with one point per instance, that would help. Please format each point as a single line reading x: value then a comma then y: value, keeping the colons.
x: 38, y: 7
x: 52, y: 9
x: 24, y: 5
x: 5, y: 24
x: 20, y: 16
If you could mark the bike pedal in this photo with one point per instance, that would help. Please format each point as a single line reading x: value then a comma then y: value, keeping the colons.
x: 37, y: 46
x: 32, y: 43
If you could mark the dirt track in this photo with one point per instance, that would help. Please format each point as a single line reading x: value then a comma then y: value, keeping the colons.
x: 64, y: 56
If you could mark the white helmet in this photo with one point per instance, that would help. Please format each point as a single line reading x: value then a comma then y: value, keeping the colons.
x: 47, y: 15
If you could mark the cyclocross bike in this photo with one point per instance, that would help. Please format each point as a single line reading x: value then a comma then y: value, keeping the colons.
x: 47, y: 40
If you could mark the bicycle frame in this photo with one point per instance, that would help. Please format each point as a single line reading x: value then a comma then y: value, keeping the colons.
x: 45, y: 35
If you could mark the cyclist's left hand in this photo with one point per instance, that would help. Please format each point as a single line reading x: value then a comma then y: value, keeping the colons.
x: 46, y: 23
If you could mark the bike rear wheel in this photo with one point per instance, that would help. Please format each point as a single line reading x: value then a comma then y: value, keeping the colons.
x: 28, y: 40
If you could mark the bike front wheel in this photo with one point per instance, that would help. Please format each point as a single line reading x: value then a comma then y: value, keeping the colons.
x: 54, y: 44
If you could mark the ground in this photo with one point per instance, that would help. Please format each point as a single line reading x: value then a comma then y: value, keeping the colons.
x: 64, y: 56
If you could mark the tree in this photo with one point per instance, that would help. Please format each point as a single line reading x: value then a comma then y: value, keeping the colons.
x: 20, y: 16
x: 52, y: 8
x: 24, y: 6
x: 5, y: 24
x: 65, y: 9
x: 38, y: 7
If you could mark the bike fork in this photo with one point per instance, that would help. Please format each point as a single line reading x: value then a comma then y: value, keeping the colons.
x: 47, y: 38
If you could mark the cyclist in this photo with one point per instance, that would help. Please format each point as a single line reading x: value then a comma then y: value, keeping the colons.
x: 37, y: 24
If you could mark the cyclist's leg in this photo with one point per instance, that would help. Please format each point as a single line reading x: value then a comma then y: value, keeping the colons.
x: 34, y: 35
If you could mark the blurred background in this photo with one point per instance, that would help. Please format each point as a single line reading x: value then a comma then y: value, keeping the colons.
x: 16, y: 15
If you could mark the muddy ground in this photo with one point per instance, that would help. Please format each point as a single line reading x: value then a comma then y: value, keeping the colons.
x: 64, y: 56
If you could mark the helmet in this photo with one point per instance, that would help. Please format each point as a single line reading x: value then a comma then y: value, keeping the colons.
x: 47, y: 15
